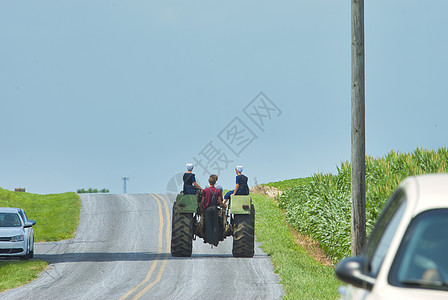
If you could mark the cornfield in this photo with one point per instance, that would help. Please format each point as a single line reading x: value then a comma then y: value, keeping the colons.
x: 321, y: 208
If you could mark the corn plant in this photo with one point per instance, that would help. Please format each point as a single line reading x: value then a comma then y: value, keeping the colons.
x: 320, y: 205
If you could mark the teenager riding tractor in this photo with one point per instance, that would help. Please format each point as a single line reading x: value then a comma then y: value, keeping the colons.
x: 236, y: 219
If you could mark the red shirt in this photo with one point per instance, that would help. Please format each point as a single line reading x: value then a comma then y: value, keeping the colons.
x: 207, y: 195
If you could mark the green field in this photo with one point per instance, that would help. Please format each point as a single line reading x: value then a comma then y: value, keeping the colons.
x: 289, y: 183
x: 57, y: 216
x: 321, y: 207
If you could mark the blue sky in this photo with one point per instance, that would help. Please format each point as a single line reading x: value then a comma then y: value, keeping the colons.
x: 92, y: 91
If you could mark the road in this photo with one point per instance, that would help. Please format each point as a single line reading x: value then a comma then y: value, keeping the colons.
x: 121, y: 250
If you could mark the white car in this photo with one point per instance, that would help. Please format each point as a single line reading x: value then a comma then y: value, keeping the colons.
x: 406, y: 256
x: 16, y: 233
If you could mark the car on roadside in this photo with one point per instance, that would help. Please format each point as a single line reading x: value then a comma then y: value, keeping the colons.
x: 406, y: 256
x: 16, y: 233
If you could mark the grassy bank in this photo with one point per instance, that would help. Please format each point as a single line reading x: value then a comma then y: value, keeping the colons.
x: 321, y: 207
x: 57, y: 217
x: 301, y: 276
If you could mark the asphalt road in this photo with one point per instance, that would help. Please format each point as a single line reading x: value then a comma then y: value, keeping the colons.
x: 121, y: 250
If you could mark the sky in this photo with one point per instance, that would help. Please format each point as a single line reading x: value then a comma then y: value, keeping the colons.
x: 94, y: 91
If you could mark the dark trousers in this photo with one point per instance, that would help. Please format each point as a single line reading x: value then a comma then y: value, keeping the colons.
x: 211, y: 225
x: 227, y: 195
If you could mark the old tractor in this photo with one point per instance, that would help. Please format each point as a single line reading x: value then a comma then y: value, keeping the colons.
x: 238, y: 220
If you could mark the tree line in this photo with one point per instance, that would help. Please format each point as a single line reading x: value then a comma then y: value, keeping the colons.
x: 91, y: 191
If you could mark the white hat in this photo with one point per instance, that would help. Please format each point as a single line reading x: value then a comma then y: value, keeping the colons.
x: 190, y: 166
x: 239, y: 169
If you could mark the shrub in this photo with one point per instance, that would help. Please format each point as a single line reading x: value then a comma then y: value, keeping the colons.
x: 90, y: 190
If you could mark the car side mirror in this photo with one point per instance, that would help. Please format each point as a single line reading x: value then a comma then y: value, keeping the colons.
x: 29, y: 224
x: 352, y: 270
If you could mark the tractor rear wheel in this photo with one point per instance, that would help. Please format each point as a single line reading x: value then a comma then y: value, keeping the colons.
x: 181, y: 234
x: 244, y: 234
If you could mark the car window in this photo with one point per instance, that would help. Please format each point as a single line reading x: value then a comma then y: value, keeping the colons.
x: 23, y: 215
x: 422, y: 259
x: 384, y: 231
x: 9, y: 220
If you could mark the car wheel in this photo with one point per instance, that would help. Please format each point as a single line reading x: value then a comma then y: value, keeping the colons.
x: 31, y: 255
x: 27, y: 255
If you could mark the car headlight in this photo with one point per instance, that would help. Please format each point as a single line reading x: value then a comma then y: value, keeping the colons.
x: 17, y: 238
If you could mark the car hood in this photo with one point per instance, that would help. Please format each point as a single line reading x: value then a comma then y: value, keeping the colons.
x: 10, y: 231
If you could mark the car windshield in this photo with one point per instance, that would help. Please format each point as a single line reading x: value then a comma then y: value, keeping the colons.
x: 422, y: 259
x: 384, y: 231
x: 9, y: 220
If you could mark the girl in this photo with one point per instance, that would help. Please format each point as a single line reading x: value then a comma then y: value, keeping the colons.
x: 241, y: 187
x: 190, y: 184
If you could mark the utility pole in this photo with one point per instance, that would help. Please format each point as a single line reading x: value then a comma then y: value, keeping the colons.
x: 124, y: 184
x: 358, y: 164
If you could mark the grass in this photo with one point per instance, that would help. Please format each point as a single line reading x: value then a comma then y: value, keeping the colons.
x: 57, y: 216
x: 301, y: 276
x: 17, y: 273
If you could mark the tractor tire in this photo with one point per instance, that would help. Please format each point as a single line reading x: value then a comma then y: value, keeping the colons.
x: 181, y: 234
x: 244, y: 234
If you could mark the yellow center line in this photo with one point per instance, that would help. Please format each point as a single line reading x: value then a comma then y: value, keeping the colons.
x: 168, y: 249
x: 160, y: 248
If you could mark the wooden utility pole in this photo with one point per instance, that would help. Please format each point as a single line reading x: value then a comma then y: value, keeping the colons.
x: 358, y: 181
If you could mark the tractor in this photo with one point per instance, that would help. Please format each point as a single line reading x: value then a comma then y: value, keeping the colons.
x: 238, y: 220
